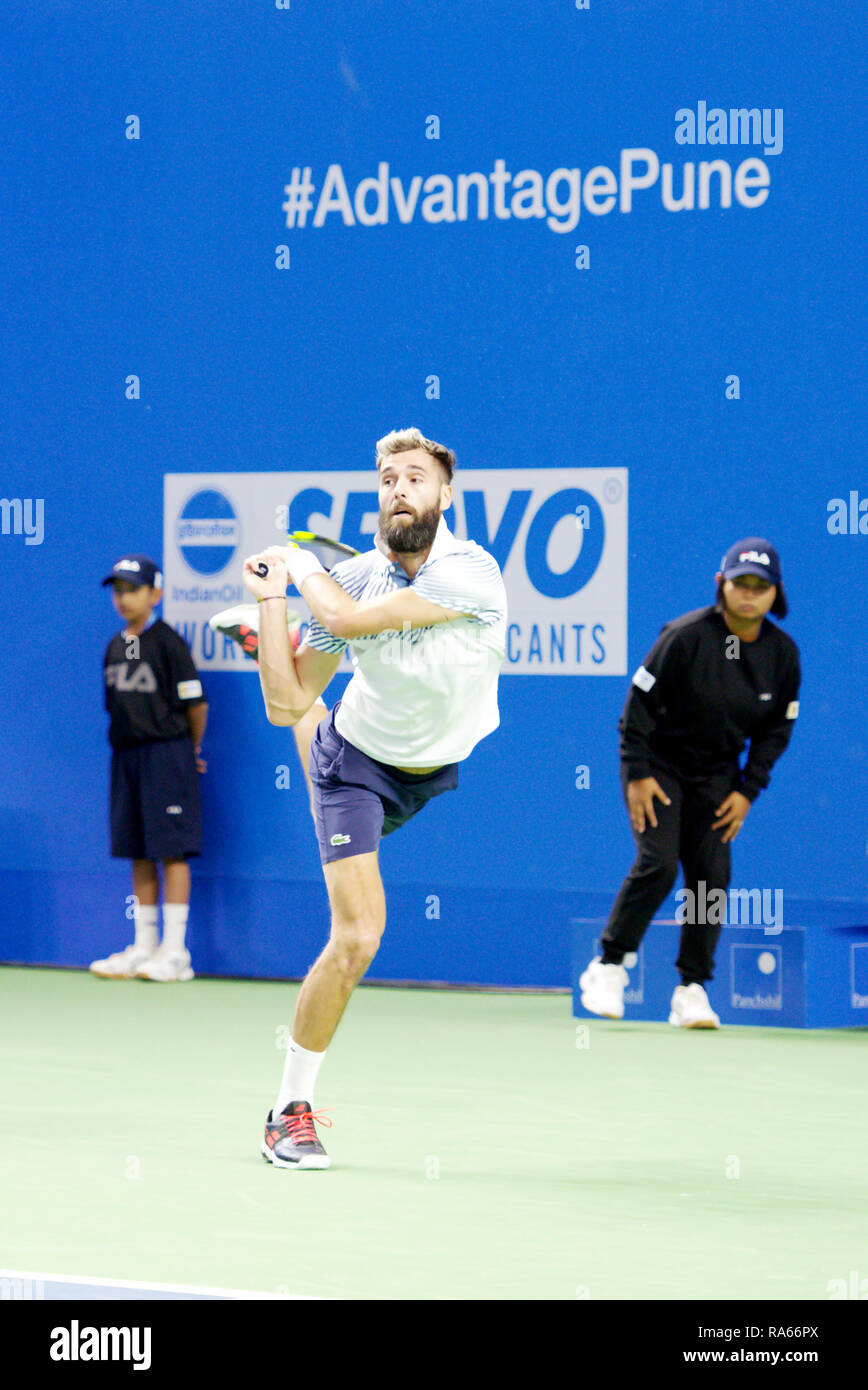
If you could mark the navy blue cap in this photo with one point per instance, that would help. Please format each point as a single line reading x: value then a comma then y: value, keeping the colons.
x: 753, y: 555
x: 136, y: 569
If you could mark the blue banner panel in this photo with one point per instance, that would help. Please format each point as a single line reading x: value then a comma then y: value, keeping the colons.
x: 811, y: 976
x: 609, y: 254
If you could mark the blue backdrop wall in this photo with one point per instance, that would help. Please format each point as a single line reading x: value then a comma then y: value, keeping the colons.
x: 154, y: 326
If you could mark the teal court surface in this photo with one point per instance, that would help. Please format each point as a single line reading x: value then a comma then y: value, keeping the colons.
x: 484, y: 1146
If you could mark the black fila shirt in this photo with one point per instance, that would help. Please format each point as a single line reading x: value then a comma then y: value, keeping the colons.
x: 149, y: 683
x: 692, y: 706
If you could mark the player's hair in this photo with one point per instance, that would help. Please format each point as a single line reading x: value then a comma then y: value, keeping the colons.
x: 779, y: 608
x: 399, y: 441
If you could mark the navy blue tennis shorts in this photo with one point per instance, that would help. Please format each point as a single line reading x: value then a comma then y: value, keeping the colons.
x: 156, y: 805
x: 357, y: 800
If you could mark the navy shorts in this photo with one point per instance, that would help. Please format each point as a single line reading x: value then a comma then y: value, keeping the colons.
x: 357, y: 800
x: 156, y: 805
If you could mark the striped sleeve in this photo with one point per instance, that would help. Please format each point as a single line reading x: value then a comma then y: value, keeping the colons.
x: 321, y: 639
x: 468, y: 582
x: 352, y: 577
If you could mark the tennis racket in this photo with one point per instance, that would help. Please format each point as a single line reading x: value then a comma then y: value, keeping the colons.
x: 327, y: 551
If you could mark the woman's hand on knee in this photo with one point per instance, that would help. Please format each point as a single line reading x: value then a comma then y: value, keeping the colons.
x: 640, y: 802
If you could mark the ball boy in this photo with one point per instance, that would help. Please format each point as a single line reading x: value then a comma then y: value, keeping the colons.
x: 157, y: 715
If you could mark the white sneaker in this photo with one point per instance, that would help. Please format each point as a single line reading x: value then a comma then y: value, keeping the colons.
x: 603, y: 988
x: 241, y: 623
x: 691, y: 1009
x: 122, y: 965
x: 166, y: 966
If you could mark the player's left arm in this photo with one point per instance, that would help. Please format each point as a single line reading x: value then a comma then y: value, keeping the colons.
x: 455, y: 586
x: 348, y: 617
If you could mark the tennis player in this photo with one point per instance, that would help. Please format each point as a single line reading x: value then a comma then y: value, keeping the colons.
x: 715, y: 678
x: 424, y: 616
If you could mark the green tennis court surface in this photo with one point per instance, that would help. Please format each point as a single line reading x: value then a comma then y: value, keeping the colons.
x: 477, y: 1150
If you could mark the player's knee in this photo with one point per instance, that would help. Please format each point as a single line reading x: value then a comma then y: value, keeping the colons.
x: 353, y: 950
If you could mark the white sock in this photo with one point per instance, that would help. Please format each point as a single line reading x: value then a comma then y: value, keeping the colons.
x: 174, y: 926
x: 145, y: 919
x: 299, y: 1077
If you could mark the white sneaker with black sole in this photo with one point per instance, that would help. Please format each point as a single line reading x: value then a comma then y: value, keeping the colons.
x: 603, y: 988
x: 690, y: 1008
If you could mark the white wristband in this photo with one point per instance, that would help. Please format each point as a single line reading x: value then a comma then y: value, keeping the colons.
x: 301, y: 564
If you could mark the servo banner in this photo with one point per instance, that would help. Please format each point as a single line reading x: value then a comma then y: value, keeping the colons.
x: 559, y: 536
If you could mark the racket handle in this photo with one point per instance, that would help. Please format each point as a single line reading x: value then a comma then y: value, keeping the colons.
x: 262, y: 568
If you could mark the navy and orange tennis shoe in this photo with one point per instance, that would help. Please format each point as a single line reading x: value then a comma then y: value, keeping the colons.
x: 241, y: 623
x: 291, y: 1140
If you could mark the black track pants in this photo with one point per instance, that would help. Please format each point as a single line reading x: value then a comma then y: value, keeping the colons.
x: 684, y: 833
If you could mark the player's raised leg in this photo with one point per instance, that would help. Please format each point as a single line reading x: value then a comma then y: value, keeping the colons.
x: 304, y: 731
x: 358, y: 909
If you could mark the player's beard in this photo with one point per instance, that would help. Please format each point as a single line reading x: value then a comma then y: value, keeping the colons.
x: 405, y: 537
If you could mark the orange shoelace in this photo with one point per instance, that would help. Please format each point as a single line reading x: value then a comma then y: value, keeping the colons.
x: 300, y: 1127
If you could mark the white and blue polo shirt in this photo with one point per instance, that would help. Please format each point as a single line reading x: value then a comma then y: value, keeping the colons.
x: 426, y: 696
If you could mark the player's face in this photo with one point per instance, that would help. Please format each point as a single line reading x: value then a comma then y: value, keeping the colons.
x: 413, y: 495
x: 748, y: 596
x: 134, y: 601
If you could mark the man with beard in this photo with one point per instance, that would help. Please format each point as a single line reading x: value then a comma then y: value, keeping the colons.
x: 424, y: 615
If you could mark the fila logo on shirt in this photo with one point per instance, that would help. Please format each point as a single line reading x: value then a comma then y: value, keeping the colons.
x: 138, y: 679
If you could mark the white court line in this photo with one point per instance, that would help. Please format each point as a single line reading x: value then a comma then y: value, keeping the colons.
x: 98, y: 1281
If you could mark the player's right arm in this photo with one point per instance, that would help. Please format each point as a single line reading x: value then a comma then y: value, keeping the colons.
x: 290, y: 682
